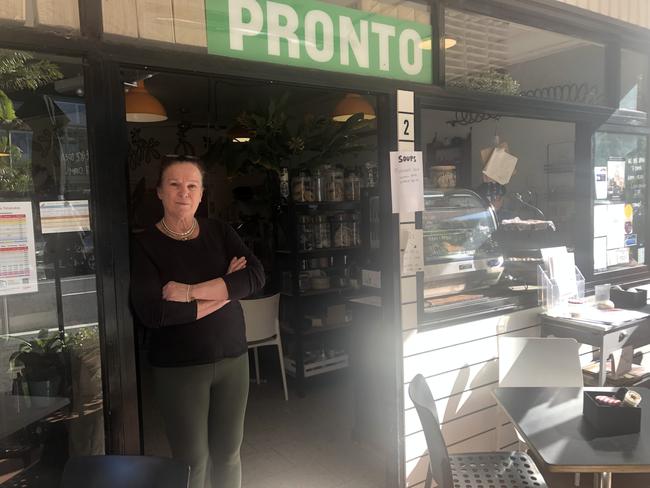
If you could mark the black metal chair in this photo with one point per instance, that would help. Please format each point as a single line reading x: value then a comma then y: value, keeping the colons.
x: 473, y: 470
x: 125, y: 471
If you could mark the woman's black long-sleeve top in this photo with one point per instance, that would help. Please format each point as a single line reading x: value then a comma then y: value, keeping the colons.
x: 178, y: 338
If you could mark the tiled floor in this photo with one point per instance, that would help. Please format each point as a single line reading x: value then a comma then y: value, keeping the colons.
x: 306, y: 442
x: 302, y: 443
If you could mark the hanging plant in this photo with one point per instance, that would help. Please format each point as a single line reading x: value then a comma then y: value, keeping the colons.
x: 492, y: 81
x: 21, y: 71
x: 276, y: 142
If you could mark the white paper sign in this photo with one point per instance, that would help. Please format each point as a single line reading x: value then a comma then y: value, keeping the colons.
x: 371, y: 278
x: 412, y: 255
x: 64, y: 216
x: 500, y: 166
x: 601, y: 215
x: 600, y: 176
x: 17, y: 249
x: 600, y: 253
x: 406, y: 181
x: 615, y: 226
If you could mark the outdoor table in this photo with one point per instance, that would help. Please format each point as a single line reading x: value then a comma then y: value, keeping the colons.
x: 17, y: 412
x: 550, y: 421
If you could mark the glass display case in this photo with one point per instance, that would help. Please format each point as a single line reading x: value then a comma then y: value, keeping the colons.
x: 460, y: 254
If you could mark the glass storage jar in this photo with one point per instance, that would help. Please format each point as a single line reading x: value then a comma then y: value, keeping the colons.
x: 322, y: 238
x: 370, y: 173
x: 335, y: 186
x: 352, y: 186
x: 301, y: 187
x: 355, y: 229
x: 318, y: 185
x: 341, y: 230
x: 305, y: 233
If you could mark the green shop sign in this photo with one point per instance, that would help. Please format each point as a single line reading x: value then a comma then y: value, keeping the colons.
x: 312, y: 34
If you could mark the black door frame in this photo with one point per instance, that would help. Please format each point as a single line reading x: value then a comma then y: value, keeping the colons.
x: 386, y: 116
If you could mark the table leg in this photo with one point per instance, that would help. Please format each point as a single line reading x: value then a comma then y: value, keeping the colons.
x: 604, y: 480
x: 602, y: 374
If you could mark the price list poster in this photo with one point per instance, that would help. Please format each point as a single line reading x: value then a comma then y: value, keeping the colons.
x: 17, y: 250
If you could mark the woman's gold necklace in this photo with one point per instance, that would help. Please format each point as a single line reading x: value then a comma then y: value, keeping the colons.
x: 182, y: 236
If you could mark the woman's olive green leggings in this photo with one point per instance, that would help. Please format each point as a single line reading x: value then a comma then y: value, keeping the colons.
x: 203, y: 408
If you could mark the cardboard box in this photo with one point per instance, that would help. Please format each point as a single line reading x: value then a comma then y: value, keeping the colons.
x: 335, y: 314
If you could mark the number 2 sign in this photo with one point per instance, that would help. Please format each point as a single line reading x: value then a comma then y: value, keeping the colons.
x: 405, y: 129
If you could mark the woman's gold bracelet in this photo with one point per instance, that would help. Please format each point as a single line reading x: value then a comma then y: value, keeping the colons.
x: 188, y: 293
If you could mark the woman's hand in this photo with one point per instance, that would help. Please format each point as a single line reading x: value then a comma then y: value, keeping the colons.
x: 236, y: 264
x: 176, y: 292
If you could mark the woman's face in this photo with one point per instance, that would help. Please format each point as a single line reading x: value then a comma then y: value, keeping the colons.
x: 181, y: 190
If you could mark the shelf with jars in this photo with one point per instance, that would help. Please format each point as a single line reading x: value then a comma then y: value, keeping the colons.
x: 322, y: 238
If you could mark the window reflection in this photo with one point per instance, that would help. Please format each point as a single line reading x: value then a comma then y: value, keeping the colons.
x: 497, y: 56
x: 619, y: 201
x: 49, y: 348
x: 634, y: 81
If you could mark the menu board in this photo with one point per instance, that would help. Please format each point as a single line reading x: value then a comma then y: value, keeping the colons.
x: 17, y: 249
x: 64, y: 216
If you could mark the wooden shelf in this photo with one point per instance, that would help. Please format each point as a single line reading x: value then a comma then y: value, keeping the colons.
x: 313, y: 293
x: 317, y: 330
x: 318, y: 367
x: 317, y: 252
x: 327, y: 206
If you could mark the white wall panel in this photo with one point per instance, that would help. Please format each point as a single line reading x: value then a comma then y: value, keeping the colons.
x: 440, y: 338
x: 189, y: 22
x: 58, y: 13
x: 632, y: 11
x: 13, y: 10
x: 120, y: 17
x: 155, y: 20
x: 457, y: 357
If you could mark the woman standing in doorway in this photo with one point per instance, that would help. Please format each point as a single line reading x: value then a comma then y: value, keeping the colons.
x: 187, y: 276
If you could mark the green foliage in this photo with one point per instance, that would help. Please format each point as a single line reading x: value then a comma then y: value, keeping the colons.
x: 492, y: 81
x: 14, y: 179
x: 21, y: 71
x: 83, y: 338
x: 278, y: 141
x: 45, y: 343
x: 327, y: 141
x: 7, y: 112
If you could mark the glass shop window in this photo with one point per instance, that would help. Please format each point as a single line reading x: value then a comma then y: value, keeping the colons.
x: 62, y: 15
x: 634, y: 81
x: 496, y: 56
x: 619, y: 200
x: 50, y: 356
x: 498, y: 190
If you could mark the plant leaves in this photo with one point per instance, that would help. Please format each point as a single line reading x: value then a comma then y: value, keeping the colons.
x: 7, y: 112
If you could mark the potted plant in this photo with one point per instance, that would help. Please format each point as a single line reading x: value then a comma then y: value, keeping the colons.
x: 42, y: 363
x: 277, y: 141
x: 21, y: 71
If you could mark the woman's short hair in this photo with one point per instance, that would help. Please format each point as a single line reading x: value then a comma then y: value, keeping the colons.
x: 172, y: 159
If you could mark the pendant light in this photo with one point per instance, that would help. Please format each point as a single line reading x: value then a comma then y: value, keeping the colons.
x: 141, y: 106
x: 351, y: 104
x: 449, y: 43
x: 239, y: 133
